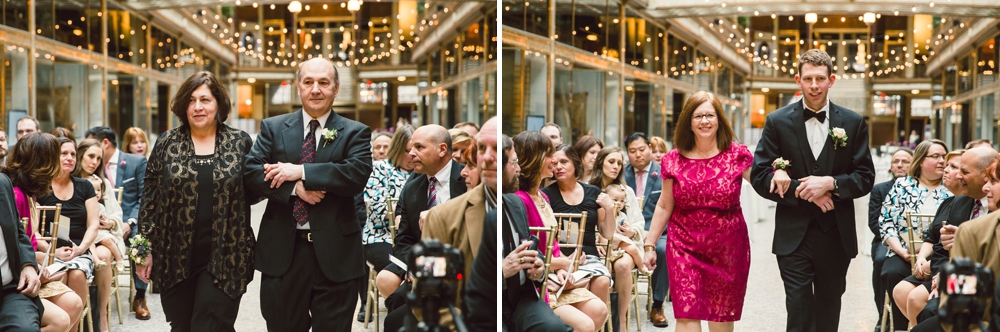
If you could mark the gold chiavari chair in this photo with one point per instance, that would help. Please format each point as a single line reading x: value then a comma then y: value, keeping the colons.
x: 551, y: 233
x: 126, y: 271
x: 372, y: 291
x: 86, y: 319
x: 916, y: 223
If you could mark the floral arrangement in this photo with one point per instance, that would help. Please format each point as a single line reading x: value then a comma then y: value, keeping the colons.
x: 329, y: 135
x: 781, y: 164
x: 139, y: 249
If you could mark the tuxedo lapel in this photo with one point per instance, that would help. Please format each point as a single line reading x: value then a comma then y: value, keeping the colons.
x: 799, y: 126
x: 325, y: 150
x: 829, y: 155
x: 294, y: 136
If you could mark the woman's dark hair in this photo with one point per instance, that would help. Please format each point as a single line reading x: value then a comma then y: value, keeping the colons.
x: 584, y: 143
x: 684, y: 137
x: 397, y: 146
x: 33, y: 162
x: 81, y: 149
x: 598, y: 176
x: 532, y: 147
x: 63, y: 132
x: 179, y: 105
x: 573, y: 158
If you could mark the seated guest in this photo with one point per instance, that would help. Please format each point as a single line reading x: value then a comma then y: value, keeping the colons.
x: 460, y: 140
x: 386, y: 181
x: 459, y: 221
x: 587, y: 147
x: 79, y: 205
x: 568, y: 195
x: 63, y: 132
x: 920, y: 192
x: 471, y: 172
x: 977, y: 143
x: 20, y: 307
x: 134, y: 141
x: 576, y: 306
x: 33, y: 162
x: 956, y: 211
x: 380, y: 145
x: 469, y: 127
x: 900, y: 164
x: 658, y: 147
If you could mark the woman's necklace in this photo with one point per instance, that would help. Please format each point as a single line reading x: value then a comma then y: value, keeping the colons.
x: 704, y: 155
x: 548, y: 217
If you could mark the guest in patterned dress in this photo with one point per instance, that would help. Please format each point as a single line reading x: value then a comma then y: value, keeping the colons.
x: 922, y: 191
x: 195, y: 211
x: 708, y: 248
x: 386, y: 181
x: 576, y: 306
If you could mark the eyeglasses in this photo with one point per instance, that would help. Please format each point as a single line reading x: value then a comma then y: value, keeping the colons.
x: 936, y: 156
x: 701, y: 117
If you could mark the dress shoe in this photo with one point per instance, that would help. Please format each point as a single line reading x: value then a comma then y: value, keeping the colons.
x: 657, y: 317
x: 139, y: 306
x: 361, y: 314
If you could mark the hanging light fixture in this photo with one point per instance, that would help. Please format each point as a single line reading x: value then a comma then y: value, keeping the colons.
x: 295, y: 7
x: 354, y: 5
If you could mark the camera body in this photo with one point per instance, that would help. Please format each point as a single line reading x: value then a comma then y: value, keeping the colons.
x: 969, y: 288
x: 437, y: 271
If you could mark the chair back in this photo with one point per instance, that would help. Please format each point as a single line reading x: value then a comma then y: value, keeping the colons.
x: 640, y: 200
x: 119, y: 192
x: 916, y: 224
x: 391, y: 213
x: 571, y: 229
x: 551, y: 233
x: 53, y: 234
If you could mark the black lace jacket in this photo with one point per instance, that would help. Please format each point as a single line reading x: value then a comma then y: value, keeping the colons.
x: 169, y: 199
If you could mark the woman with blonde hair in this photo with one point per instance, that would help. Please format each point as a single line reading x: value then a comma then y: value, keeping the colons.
x: 135, y: 141
x: 460, y: 140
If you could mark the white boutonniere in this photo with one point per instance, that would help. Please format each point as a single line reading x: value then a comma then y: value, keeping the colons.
x: 781, y: 164
x: 329, y: 135
x: 839, y: 137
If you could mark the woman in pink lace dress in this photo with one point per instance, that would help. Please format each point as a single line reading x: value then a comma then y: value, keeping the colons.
x: 708, y: 249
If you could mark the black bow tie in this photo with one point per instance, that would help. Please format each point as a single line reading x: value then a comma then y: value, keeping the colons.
x: 807, y: 114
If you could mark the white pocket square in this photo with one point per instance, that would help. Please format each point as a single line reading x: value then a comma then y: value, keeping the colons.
x: 655, y: 192
x: 128, y: 180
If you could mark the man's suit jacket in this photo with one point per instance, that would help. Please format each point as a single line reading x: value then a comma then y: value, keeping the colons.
x: 784, y: 136
x: 18, y: 245
x: 978, y: 240
x: 130, y: 175
x: 340, y: 168
x: 875, y: 200
x: 651, y: 191
x: 481, y: 289
x: 956, y: 210
x: 514, y: 213
x: 412, y: 201
x: 459, y: 222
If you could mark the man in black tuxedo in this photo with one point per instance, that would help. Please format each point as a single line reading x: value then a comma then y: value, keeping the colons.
x: 642, y: 167
x: 127, y: 171
x: 20, y: 308
x: 814, y: 233
x: 309, y: 165
x: 900, y: 164
x: 431, y: 155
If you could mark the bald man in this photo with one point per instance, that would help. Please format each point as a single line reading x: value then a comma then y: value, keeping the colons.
x: 309, y: 164
x: 435, y: 180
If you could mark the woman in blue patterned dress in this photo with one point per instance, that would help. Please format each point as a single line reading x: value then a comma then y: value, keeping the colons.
x: 387, y: 180
x: 920, y: 192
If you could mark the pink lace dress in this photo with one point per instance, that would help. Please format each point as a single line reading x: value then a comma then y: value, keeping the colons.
x: 708, y: 249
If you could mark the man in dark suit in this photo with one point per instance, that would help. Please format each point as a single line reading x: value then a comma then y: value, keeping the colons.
x: 128, y: 171
x: 309, y: 165
x: 431, y: 155
x: 814, y: 233
x: 20, y: 308
x: 642, y: 167
x: 956, y: 211
x: 900, y: 164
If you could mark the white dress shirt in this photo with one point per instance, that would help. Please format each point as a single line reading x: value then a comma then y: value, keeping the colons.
x: 442, y: 191
x: 982, y: 208
x: 319, y: 135
x: 112, y: 168
x: 816, y: 132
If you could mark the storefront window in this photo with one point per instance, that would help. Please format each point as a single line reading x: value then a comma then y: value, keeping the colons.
x: 15, y: 14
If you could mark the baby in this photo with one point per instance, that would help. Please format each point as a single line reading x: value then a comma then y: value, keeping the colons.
x: 109, y: 234
x: 620, y: 243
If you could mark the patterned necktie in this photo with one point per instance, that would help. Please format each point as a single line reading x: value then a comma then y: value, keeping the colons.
x: 301, y: 211
x: 640, y: 183
x: 431, y: 195
x: 979, y: 206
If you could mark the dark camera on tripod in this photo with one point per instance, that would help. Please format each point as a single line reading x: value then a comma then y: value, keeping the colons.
x: 969, y: 288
